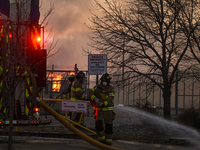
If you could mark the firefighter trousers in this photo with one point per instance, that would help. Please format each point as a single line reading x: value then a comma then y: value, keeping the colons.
x: 104, y: 126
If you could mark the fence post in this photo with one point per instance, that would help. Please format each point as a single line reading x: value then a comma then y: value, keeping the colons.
x: 176, y: 93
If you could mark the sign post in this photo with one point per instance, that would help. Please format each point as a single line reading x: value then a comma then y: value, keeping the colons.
x: 97, y: 64
x: 74, y: 106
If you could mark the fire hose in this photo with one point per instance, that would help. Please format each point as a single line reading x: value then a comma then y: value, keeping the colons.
x: 73, y: 129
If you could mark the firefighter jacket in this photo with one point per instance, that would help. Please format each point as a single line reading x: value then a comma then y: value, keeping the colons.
x: 77, y: 90
x: 108, y: 91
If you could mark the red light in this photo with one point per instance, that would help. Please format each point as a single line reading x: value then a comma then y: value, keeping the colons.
x: 36, y: 109
x: 38, y: 39
x: 10, y: 35
x: 18, y: 121
x: 0, y: 122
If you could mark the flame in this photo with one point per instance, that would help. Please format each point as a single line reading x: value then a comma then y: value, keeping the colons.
x: 72, y: 73
x: 57, y: 83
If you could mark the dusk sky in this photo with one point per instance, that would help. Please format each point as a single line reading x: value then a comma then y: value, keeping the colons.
x: 68, y: 22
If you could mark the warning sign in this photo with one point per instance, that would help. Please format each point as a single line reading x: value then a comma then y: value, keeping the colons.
x: 97, y: 64
x: 74, y: 106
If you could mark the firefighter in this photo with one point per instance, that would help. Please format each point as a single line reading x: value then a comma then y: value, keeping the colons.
x: 71, y: 80
x: 68, y: 90
x: 77, y: 93
x: 103, y: 110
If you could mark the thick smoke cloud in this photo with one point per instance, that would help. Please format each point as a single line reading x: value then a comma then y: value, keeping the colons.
x: 68, y: 22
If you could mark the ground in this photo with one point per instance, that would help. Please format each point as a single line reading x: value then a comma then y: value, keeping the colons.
x: 138, y: 133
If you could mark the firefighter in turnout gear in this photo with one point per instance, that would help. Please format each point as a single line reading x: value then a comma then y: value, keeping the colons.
x: 103, y: 109
x: 77, y: 93
x: 68, y: 90
x: 71, y: 80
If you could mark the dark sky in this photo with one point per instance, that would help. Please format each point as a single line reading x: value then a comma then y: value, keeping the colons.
x: 68, y: 23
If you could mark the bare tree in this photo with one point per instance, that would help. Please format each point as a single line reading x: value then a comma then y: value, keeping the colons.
x: 190, y: 23
x: 144, y: 40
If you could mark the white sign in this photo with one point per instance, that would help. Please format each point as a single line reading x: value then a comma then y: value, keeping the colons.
x: 74, y: 106
x: 97, y: 64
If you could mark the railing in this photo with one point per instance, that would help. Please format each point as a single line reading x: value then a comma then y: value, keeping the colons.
x: 65, y: 117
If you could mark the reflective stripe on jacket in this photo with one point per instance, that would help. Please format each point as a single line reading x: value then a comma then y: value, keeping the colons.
x: 77, y: 90
x: 108, y: 91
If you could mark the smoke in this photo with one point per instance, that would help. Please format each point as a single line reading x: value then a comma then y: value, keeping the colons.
x: 68, y: 23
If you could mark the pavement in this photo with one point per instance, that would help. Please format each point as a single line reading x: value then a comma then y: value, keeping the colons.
x: 123, y: 116
x: 40, y: 143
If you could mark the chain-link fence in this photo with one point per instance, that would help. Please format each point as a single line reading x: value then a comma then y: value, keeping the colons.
x: 185, y: 94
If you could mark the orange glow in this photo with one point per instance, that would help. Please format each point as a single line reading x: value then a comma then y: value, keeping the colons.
x: 72, y: 73
x: 57, y: 83
x: 36, y: 109
x: 39, y: 39
x: 10, y: 35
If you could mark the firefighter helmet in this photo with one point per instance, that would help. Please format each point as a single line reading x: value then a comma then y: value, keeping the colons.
x: 105, y: 77
x: 79, y: 74
x: 71, y: 78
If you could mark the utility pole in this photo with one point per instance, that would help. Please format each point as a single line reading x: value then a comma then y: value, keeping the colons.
x: 123, y: 70
x: 97, y: 78
x: 176, y: 93
x: 123, y: 66
x: 123, y: 60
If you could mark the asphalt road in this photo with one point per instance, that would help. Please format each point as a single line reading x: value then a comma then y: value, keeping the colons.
x: 46, y: 143
x: 39, y: 143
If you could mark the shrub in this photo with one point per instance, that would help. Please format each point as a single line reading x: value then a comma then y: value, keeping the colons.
x: 190, y: 117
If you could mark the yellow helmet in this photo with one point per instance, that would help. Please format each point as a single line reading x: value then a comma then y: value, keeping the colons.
x: 71, y: 78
